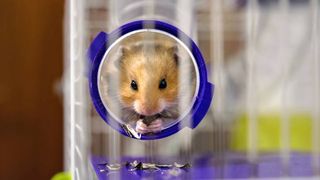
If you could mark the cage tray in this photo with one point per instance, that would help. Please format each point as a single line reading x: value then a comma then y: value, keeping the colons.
x: 208, y: 167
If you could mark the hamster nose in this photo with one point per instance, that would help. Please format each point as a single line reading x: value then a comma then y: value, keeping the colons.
x: 147, y: 110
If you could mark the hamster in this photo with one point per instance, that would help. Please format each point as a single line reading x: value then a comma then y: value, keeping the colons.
x: 141, y: 84
x: 149, y: 85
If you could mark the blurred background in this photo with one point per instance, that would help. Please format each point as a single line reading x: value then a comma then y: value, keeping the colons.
x: 31, y: 62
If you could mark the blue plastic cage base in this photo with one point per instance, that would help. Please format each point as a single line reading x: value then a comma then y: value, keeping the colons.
x: 208, y: 167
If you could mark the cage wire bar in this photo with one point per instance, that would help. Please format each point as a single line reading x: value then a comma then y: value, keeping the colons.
x: 66, y: 89
x: 314, y: 6
x: 251, y: 99
x: 150, y: 146
x: 185, y: 20
x: 217, y: 76
x: 113, y: 137
x: 77, y: 99
x: 284, y: 41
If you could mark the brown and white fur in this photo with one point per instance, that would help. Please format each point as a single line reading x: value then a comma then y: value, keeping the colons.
x: 147, y: 60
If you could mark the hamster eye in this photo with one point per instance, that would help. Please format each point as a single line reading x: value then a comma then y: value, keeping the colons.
x: 134, y: 85
x: 163, y: 84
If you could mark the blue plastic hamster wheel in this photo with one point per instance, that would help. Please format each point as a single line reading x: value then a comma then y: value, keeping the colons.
x: 99, y: 48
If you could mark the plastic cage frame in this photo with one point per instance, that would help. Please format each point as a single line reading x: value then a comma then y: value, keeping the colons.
x: 97, y: 51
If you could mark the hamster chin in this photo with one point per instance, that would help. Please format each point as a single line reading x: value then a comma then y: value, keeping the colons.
x: 146, y: 124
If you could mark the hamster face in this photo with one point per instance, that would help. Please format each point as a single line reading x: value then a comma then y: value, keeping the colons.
x: 149, y: 78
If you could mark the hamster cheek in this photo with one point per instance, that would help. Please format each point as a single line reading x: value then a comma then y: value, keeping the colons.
x: 136, y: 106
x: 162, y: 105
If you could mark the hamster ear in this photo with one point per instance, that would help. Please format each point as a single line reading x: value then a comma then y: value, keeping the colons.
x: 122, y: 51
x: 174, y: 52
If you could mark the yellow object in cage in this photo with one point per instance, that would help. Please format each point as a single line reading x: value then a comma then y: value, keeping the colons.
x: 268, y: 132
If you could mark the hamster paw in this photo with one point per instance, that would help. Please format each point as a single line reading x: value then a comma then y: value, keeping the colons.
x: 141, y: 127
x: 155, y: 126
